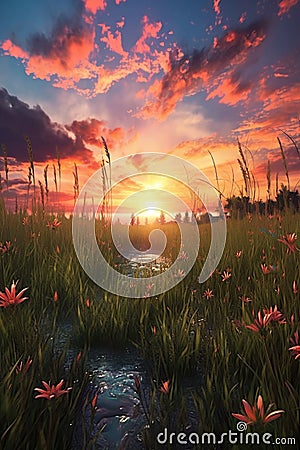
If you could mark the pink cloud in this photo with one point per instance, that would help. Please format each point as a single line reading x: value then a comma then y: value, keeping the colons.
x: 12, y: 49
x: 285, y: 6
x: 216, y: 6
x: 243, y: 17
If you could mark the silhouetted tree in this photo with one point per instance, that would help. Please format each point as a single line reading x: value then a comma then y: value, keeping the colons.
x: 287, y: 199
x: 162, y: 218
x: 239, y: 206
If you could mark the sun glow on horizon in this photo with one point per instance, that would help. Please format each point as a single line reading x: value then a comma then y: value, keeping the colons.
x: 150, y: 213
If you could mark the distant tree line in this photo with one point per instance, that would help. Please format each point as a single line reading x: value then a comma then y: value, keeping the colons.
x: 284, y: 200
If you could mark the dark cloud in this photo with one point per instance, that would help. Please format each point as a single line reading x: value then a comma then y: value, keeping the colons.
x: 18, y: 119
x: 227, y: 49
x: 65, y: 29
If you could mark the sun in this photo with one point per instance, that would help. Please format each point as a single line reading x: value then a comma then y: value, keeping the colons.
x: 150, y: 213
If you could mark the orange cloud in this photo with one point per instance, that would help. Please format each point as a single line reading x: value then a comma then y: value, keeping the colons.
x: 95, y: 5
x: 285, y: 6
x: 91, y: 130
x: 280, y: 75
x: 263, y: 146
x: 62, y: 58
x: 150, y: 30
x: 285, y: 98
x: 217, y: 6
x: 67, y: 56
x: 199, y: 148
x: 106, y: 77
x: 114, y: 42
x: 12, y: 49
x: 203, y: 69
x: 231, y: 90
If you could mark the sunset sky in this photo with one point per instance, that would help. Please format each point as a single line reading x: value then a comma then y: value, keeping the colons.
x: 167, y: 76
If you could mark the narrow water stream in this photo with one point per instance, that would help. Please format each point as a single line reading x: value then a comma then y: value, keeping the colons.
x: 112, y: 376
x: 117, y: 401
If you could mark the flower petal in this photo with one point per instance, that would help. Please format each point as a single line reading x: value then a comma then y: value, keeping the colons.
x: 273, y: 415
x: 249, y: 410
x: 242, y: 418
x: 260, y: 406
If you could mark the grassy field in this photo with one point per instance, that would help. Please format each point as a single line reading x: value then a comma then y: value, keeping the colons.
x: 207, y: 346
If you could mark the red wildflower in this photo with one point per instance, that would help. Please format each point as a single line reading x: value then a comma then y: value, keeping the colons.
x: 259, y: 323
x: 275, y: 315
x: 263, y: 319
x: 24, y: 367
x: 10, y: 298
x: 4, y: 248
x: 51, y: 391
x: 289, y: 240
x: 265, y: 269
x: 94, y: 401
x: 225, y: 275
x: 165, y: 387
x: 256, y: 413
x: 208, y: 294
x: 54, y: 224
x: 295, y: 351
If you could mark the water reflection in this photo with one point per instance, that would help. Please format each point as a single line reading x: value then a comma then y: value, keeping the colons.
x: 117, y: 404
